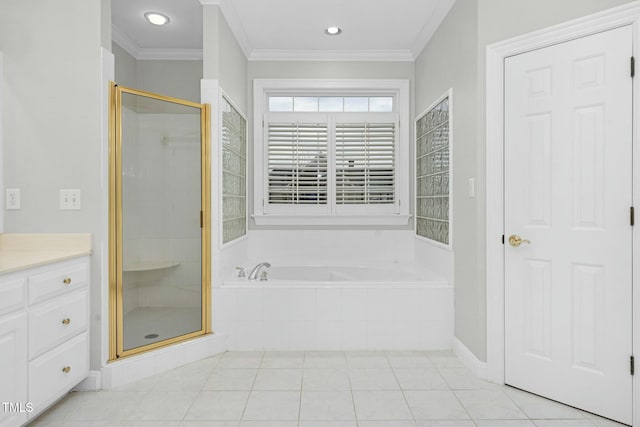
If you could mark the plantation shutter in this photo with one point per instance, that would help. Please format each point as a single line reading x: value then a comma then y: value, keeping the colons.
x: 365, y: 163
x: 297, y: 162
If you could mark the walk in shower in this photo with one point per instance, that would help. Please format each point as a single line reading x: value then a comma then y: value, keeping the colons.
x: 159, y: 221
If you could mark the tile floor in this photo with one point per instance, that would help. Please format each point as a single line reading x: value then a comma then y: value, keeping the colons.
x: 316, y: 389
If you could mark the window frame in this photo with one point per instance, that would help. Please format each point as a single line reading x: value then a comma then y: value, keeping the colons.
x: 265, y: 214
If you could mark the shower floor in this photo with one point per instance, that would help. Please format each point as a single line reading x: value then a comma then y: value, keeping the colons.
x: 165, y: 322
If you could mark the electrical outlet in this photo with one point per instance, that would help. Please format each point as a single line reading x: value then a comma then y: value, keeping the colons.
x: 13, y: 198
x: 70, y: 200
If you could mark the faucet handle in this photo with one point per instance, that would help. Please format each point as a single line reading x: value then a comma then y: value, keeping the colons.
x: 240, y: 271
x: 263, y: 276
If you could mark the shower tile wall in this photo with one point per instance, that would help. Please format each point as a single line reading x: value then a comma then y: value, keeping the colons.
x: 234, y: 173
x: 432, y: 172
x: 158, y: 183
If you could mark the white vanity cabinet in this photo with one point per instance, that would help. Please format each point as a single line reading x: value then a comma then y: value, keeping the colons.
x: 44, y: 342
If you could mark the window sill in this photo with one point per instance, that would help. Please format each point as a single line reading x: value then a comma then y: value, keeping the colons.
x: 279, y: 219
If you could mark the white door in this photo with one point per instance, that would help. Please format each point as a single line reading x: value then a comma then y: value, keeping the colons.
x: 568, y: 171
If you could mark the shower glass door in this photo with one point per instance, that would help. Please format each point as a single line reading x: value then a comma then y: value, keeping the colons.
x: 159, y: 221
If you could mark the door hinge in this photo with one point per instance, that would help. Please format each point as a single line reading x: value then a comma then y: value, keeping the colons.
x: 632, y: 215
x: 201, y: 219
x: 503, y: 239
x: 633, y: 66
x: 632, y: 365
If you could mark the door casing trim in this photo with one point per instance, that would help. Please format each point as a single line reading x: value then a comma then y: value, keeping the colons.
x: 496, y: 54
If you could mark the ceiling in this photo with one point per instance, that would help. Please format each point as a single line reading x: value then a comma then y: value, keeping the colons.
x: 284, y: 29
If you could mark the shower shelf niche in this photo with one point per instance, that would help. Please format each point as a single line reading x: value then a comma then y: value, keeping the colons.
x: 149, y: 265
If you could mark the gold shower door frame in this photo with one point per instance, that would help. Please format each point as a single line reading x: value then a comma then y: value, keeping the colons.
x: 116, y: 332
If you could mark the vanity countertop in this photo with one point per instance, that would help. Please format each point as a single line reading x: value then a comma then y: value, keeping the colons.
x: 25, y: 250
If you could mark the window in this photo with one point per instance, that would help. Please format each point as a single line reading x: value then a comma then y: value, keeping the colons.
x: 331, y: 152
x: 234, y: 173
x: 433, y: 145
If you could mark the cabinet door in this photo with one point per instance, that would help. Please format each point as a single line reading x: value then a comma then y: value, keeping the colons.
x: 13, y: 370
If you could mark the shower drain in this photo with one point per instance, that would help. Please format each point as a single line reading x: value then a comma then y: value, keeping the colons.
x: 151, y: 336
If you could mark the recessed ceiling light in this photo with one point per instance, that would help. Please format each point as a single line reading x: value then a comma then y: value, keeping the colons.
x: 156, y: 18
x: 333, y: 31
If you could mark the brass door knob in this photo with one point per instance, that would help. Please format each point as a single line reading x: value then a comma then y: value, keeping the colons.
x: 66, y: 369
x: 67, y: 281
x: 66, y: 321
x: 515, y: 240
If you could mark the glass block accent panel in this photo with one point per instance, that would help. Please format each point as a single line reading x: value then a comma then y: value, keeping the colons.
x: 234, y: 173
x: 432, y: 173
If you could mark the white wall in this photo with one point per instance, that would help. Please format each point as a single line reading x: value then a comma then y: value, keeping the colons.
x: 52, y: 122
x: 455, y: 57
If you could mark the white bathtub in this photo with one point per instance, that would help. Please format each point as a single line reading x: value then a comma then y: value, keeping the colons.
x: 336, y: 308
x: 355, y: 276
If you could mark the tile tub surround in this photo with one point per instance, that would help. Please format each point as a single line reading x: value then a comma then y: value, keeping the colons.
x: 316, y: 389
x: 334, y: 317
x: 20, y: 251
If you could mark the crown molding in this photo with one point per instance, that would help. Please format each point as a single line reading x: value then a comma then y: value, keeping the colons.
x: 235, y: 24
x: 431, y: 26
x: 124, y: 41
x: 330, y: 55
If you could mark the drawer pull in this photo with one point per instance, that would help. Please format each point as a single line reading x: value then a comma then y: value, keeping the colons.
x: 67, y: 281
x: 66, y: 369
x: 66, y: 321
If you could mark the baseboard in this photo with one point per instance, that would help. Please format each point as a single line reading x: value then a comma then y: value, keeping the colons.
x: 469, y: 359
x: 93, y: 382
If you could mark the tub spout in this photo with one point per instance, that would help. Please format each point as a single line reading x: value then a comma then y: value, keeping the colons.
x: 254, y: 273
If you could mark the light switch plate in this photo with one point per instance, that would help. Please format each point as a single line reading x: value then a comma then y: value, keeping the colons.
x: 70, y: 199
x: 472, y: 187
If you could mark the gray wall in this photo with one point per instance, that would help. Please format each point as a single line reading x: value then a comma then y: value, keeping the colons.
x: 126, y: 67
x: 105, y: 29
x: 232, y: 75
x: 178, y: 79
x: 52, y: 121
x: 451, y: 60
x: 326, y: 70
x: 223, y: 58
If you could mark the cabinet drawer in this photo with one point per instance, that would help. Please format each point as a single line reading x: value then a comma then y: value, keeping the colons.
x: 12, y: 295
x: 62, y: 279
x: 54, y: 322
x: 49, y: 377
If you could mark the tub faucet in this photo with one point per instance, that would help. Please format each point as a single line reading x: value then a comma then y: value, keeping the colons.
x: 254, y: 273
